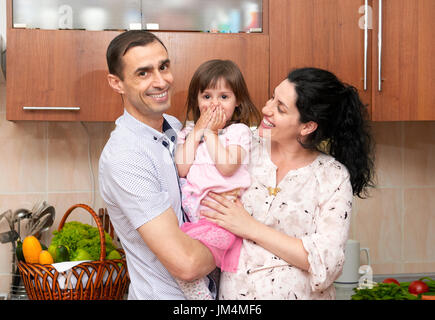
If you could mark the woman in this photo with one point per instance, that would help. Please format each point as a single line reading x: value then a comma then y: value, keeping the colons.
x: 313, y: 152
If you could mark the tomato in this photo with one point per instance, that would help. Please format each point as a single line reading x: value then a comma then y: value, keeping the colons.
x: 391, y: 280
x: 418, y: 287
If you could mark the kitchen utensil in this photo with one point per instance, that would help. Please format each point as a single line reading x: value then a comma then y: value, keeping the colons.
x: 37, y: 206
x: 350, y: 273
x: 43, y: 210
x: 8, y: 236
x: 21, y: 214
x: 18, y: 216
x: 38, y: 209
x: 43, y: 223
x: 3, y: 214
x: 8, y: 216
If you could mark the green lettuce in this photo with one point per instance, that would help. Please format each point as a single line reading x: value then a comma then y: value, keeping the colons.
x: 76, y: 235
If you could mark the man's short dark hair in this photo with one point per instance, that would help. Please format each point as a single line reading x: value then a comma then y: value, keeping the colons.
x: 119, y: 46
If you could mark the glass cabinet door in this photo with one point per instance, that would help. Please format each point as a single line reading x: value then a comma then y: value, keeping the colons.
x: 77, y: 14
x: 226, y: 16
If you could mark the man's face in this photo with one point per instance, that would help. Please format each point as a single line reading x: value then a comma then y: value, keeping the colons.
x: 147, y: 83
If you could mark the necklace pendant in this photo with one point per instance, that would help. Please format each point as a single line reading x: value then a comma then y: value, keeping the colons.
x: 273, y: 191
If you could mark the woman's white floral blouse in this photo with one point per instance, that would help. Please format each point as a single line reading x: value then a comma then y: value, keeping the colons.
x: 314, y: 204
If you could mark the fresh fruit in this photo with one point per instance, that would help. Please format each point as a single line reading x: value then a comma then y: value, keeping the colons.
x: 31, y: 249
x: 114, y: 254
x: 19, y: 251
x: 82, y: 254
x: 52, y: 250
x: 45, y: 257
x: 62, y: 254
x: 418, y: 287
x: 391, y: 280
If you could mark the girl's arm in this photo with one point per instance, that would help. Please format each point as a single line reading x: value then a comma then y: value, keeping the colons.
x: 226, y: 159
x: 185, y: 154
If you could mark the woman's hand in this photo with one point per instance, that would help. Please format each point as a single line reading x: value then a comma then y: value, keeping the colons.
x: 230, y: 216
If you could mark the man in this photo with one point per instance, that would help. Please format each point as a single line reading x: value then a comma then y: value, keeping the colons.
x: 137, y: 175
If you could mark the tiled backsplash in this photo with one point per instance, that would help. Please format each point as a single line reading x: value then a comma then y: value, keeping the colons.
x: 398, y: 222
x: 49, y: 161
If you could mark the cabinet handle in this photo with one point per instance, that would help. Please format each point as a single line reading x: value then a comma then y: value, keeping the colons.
x: 380, y: 48
x: 53, y: 108
x: 366, y: 30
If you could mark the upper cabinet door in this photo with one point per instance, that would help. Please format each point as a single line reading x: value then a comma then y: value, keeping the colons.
x: 188, y: 50
x: 59, y: 75
x: 404, y: 67
x: 326, y: 34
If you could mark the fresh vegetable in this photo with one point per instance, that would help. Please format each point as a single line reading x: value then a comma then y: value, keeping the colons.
x: 114, y: 254
x: 45, y: 257
x: 428, y: 296
x: 383, y: 291
x: 76, y: 235
x: 430, y: 283
x: 19, y: 251
x: 31, y: 249
x: 82, y: 254
x: 391, y: 280
x: 418, y: 287
x: 52, y: 250
x: 62, y: 254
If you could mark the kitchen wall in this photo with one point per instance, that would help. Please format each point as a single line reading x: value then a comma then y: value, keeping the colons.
x: 50, y: 161
x: 398, y: 222
x: 47, y: 161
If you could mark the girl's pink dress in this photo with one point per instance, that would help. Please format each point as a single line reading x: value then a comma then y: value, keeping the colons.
x: 202, y: 178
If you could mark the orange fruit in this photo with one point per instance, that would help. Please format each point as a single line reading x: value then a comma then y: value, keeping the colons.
x: 31, y: 249
x: 45, y: 257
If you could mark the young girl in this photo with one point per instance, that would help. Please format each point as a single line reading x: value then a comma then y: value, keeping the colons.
x: 212, y: 155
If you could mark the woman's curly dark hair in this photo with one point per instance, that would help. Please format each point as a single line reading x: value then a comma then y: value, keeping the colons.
x: 342, y: 123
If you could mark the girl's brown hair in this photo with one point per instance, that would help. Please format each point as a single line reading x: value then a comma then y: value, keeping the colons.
x: 207, y: 76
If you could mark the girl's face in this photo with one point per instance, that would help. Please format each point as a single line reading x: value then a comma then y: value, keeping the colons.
x: 222, y: 96
x: 281, y: 116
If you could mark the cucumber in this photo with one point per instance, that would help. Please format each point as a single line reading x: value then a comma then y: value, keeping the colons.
x: 19, y: 251
x: 62, y: 254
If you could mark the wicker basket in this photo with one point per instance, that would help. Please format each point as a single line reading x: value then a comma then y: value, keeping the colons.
x: 94, y: 280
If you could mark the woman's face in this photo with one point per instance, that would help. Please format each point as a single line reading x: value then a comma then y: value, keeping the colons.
x: 281, y: 116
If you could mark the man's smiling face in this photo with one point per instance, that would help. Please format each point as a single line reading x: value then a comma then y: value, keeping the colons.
x: 147, y: 80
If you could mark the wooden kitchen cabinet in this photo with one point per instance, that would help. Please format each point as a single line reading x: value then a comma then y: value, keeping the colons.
x: 67, y: 69
x: 59, y: 69
x: 51, y: 68
x: 188, y: 50
x: 407, y: 61
x: 330, y: 34
x: 325, y: 34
